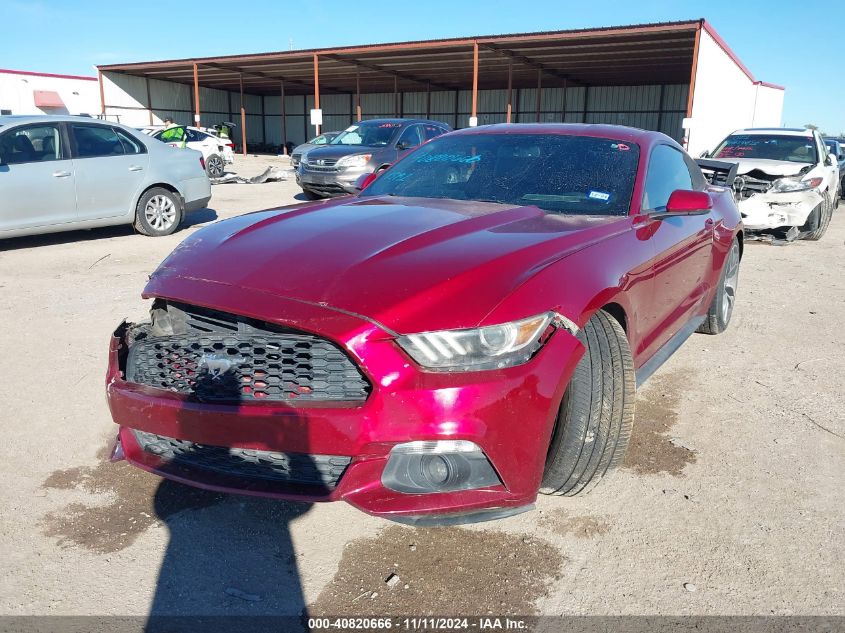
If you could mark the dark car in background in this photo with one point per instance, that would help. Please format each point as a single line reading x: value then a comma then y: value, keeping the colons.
x: 362, y: 148
x: 318, y: 141
x: 836, y: 147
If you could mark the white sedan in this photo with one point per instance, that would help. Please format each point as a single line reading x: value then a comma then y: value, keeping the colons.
x: 217, y: 152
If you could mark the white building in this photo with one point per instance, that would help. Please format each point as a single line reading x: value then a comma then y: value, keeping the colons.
x: 23, y: 92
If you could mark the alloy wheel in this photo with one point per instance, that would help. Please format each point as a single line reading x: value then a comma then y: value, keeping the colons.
x: 215, y: 166
x: 731, y: 282
x: 160, y: 213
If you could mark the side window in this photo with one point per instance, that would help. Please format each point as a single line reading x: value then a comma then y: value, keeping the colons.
x: 433, y: 131
x: 320, y: 140
x: 130, y: 145
x: 667, y: 172
x: 95, y: 140
x: 699, y: 182
x: 31, y: 144
x: 411, y: 137
x: 194, y: 136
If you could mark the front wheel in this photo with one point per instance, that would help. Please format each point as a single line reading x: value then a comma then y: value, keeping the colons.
x: 158, y: 213
x: 722, y: 306
x: 597, y: 413
x: 818, y: 221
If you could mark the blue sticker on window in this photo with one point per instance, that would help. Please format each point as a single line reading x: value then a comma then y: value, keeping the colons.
x: 599, y: 195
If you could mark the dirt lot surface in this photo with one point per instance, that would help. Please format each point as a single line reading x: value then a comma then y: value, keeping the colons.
x: 731, y: 500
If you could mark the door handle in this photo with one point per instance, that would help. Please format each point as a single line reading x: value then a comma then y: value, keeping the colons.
x: 61, y: 174
x: 136, y: 168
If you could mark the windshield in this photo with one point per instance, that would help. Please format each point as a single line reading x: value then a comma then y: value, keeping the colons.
x: 794, y: 149
x: 369, y: 134
x: 560, y: 174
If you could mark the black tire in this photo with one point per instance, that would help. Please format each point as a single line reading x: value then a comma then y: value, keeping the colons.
x: 597, y: 413
x: 722, y: 307
x: 818, y: 221
x: 154, y: 217
x: 215, y: 166
x: 311, y: 195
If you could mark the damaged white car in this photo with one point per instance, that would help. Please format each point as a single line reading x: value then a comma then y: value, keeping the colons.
x: 784, y: 179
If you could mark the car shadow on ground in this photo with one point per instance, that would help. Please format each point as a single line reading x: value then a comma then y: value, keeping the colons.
x: 202, y: 216
x: 229, y: 565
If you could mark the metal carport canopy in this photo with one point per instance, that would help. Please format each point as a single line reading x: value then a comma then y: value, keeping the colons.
x: 630, y: 55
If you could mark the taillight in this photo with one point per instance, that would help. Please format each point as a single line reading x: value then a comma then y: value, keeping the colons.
x: 202, y: 162
x: 230, y: 145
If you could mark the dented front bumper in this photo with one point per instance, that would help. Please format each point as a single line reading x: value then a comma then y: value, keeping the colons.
x: 774, y: 210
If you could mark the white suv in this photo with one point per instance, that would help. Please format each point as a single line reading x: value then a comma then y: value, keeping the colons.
x: 785, y: 178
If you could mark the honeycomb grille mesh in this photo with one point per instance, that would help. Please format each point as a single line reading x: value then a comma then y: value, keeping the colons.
x: 243, y: 363
x: 323, y: 471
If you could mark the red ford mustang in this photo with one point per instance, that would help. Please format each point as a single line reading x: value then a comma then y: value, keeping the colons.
x: 467, y: 331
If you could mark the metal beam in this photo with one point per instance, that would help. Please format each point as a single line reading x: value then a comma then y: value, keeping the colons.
x: 196, y: 96
x: 317, y: 87
x: 260, y: 75
x: 522, y: 59
x: 243, y: 118
x: 474, y: 115
x: 387, y: 71
x: 284, y: 119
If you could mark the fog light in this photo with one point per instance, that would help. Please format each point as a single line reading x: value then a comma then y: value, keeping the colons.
x: 438, y: 466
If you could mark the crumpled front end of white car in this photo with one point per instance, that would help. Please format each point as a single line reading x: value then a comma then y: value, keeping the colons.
x: 770, y: 203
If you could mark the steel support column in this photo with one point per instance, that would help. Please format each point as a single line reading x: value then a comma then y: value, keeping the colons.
x: 196, y: 96
x: 539, y: 92
x: 428, y: 100
x: 243, y: 115
x: 358, y: 93
x: 474, y: 114
x: 317, y: 88
x: 284, y: 119
x: 102, y: 95
x: 149, y: 99
x: 510, y: 91
x: 395, y: 95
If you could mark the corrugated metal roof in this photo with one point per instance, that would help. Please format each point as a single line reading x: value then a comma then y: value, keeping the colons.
x: 638, y: 54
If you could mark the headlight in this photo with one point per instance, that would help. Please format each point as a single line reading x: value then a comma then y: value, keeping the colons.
x: 491, y: 347
x: 790, y: 185
x: 356, y: 160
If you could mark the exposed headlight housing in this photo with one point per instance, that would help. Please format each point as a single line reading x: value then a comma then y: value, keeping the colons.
x: 491, y: 347
x: 355, y: 160
x: 791, y: 185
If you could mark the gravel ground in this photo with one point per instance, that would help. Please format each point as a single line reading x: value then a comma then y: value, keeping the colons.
x: 730, y: 502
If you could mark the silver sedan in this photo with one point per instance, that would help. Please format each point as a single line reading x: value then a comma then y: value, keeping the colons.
x: 59, y: 173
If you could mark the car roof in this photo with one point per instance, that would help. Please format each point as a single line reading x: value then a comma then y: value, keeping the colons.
x: 783, y: 131
x: 17, y: 119
x: 615, y: 132
x: 402, y: 121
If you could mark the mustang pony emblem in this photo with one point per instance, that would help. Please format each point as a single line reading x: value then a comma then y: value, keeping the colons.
x: 216, y: 365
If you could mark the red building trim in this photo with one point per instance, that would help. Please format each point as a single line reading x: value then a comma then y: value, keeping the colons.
x: 6, y: 71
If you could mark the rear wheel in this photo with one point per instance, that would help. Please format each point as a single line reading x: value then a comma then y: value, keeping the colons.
x: 818, y: 221
x: 214, y: 166
x: 722, y: 306
x: 158, y: 213
x: 597, y: 413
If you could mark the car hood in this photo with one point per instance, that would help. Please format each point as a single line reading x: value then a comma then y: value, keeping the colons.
x: 409, y: 264
x: 771, y: 167
x: 339, y: 151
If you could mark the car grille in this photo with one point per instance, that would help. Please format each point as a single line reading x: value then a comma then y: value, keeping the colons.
x: 321, y: 164
x: 323, y: 471
x: 218, y: 357
x: 749, y: 185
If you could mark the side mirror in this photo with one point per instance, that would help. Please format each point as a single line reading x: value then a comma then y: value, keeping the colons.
x: 363, y: 181
x: 829, y: 160
x: 402, y: 146
x: 683, y: 203
x: 704, y: 154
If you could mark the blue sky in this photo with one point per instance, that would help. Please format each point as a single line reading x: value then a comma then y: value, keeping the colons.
x: 797, y: 45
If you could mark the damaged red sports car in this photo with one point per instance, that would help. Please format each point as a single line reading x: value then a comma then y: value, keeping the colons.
x: 466, y: 332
